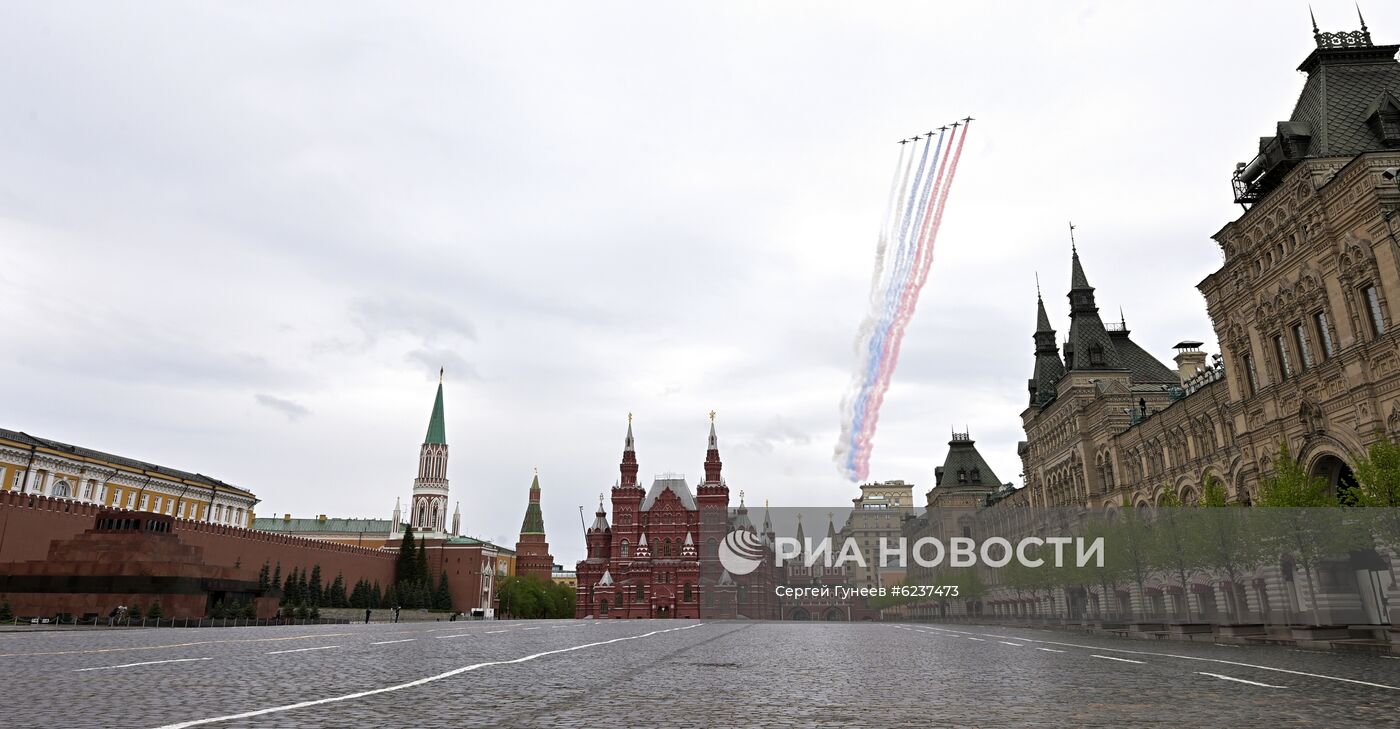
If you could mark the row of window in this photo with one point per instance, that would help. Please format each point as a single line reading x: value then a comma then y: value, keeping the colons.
x: 92, y: 491
x: 1313, y: 341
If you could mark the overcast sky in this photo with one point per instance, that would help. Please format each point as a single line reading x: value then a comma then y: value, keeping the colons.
x: 241, y: 239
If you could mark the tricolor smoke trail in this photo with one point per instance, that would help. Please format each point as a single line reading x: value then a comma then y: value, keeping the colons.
x: 918, y: 194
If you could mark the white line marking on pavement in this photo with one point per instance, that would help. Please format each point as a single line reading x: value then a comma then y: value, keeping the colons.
x: 142, y: 663
x: 489, y: 632
x: 1049, y: 650
x: 412, y: 684
x: 404, y: 640
x: 1007, y: 642
x: 1239, y: 680
x: 1221, y: 660
x: 454, y: 635
x: 1227, y: 645
x: 1111, y: 658
x: 301, y: 650
x: 537, y: 627
x: 1214, y: 660
x: 979, y: 640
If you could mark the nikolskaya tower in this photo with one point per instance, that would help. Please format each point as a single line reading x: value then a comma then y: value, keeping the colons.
x: 428, y: 510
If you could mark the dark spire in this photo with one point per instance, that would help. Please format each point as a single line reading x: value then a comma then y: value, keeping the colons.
x: 1077, y: 279
x: 628, y: 467
x: 712, y: 462
x: 1048, y: 367
x: 1089, y: 347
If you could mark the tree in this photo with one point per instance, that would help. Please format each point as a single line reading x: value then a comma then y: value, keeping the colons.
x: 335, y: 594
x: 1175, y: 548
x: 1134, y: 537
x: 289, y: 589
x: 1105, y: 576
x: 277, y: 575
x: 420, y: 563
x: 376, y: 600
x: 6, y: 612
x: 314, y: 594
x: 265, y: 576
x: 1297, y: 519
x: 303, y: 588
x: 442, y: 598
x: 1228, y: 546
x: 155, y: 613
x: 407, y: 560
x: 217, y: 611
x: 133, y: 612
x: 1378, y: 485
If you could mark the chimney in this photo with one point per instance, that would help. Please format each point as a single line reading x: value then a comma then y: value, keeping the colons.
x: 1189, y: 358
x: 321, y: 518
x: 286, y: 517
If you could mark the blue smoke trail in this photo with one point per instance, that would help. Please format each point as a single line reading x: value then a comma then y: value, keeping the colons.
x: 914, y: 213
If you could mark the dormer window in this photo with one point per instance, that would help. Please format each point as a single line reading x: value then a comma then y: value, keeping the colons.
x: 1383, y: 117
x: 962, y: 476
x: 1095, y: 355
x: 976, y: 475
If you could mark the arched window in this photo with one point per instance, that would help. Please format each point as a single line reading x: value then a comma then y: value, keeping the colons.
x: 62, y: 489
x: 603, y: 606
x: 688, y: 597
x: 626, y: 549
x: 640, y: 594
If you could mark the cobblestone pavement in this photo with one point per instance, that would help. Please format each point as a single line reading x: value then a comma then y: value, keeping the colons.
x: 675, y: 673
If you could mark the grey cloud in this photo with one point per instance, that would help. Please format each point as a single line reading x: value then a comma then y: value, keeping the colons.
x: 292, y: 410
x: 422, y: 317
x: 447, y: 359
x: 776, y: 431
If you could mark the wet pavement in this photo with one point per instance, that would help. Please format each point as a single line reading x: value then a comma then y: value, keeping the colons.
x: 675, y: 673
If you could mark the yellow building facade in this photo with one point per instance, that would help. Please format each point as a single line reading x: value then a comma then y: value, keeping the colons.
x: 29, y: 464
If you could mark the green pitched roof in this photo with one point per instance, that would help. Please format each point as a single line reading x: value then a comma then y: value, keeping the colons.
x: 437, y: 430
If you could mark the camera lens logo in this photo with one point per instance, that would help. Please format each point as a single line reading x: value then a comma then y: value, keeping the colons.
x: 741, y: 552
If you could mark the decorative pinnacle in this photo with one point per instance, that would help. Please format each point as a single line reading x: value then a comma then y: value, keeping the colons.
x: 1361, y: 17
x: 1071, y: 237
x: 1037, y: 284
x: 440, y: 371
x: 629, y: 418
x: 1314, y: 20
x: 741, y: 497
x: 712, y: 416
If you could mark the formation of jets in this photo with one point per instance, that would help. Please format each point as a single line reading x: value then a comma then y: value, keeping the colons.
x: 944, y: 128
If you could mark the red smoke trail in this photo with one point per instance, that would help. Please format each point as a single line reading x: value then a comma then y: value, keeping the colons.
x: 908, y: 302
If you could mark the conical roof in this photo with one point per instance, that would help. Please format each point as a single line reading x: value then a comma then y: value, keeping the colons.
x: 437, y: 428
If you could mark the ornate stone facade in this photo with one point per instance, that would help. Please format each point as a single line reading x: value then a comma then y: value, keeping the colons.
x: 1303, y: 307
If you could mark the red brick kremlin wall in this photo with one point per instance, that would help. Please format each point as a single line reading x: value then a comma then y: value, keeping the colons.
x: 29, y: 522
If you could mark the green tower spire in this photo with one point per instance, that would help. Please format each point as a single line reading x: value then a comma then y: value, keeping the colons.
x: 534, y: 519
x: 437, y: 430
